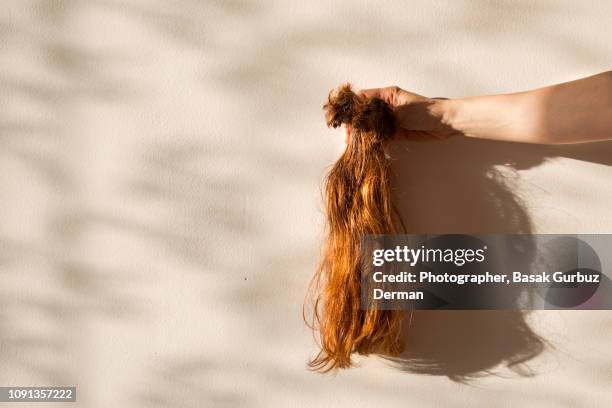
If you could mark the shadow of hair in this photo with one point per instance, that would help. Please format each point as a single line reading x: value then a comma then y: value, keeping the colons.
x: 467, y: 186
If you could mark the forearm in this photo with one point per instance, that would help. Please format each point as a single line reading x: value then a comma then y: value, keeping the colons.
x: 571, y: 112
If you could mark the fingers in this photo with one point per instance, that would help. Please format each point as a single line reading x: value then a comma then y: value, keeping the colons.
x: 393, y: 95
x: 369, y: 93
x: 387, y: 94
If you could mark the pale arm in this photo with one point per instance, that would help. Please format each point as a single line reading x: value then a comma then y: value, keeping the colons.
x: 571, y: 112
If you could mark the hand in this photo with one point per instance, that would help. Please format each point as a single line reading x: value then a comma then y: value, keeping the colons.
x: 417, y: 117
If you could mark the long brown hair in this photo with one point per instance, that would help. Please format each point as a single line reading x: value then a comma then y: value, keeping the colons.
x: 358, y: 203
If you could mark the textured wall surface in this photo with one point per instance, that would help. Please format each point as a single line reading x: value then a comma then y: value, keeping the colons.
x: 160, y: 164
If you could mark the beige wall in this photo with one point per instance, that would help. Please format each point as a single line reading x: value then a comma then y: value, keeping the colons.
x: 160, y: 165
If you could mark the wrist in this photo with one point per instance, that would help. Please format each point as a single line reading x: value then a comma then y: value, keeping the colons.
x: 446, y: 111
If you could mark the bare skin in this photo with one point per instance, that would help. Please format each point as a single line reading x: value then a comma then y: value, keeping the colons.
x: 572, y: 112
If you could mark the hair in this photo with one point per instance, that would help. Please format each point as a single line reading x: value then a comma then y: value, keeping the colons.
x: 357, y: 203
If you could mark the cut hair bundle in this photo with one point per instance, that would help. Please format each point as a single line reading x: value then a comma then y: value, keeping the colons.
x: 357, y: 203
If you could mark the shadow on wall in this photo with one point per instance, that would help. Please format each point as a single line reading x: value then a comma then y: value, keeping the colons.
x: 466, y: 186
x: 74, y: 73
x: 45, y: 279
